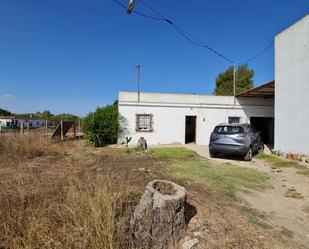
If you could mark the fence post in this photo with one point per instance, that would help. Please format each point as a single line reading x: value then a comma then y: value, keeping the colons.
x: 61, y: 126
x: 79, y: 134
x: 74, y: 130
x: 22, y: 128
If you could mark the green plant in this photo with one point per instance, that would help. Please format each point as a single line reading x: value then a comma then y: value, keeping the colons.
x: 275, y: 161
x: 128, y: 140
x: 102, y: 126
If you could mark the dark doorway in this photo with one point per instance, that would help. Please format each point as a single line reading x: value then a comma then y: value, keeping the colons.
x: 266, y: 127
x: 190, y: 129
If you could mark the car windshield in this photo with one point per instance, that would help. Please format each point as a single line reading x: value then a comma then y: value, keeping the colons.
x: 227, y: 129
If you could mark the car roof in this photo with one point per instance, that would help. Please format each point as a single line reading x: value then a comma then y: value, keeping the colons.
x: 235, y: 124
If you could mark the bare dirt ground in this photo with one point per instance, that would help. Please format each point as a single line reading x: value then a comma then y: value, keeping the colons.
x: 285, y: 203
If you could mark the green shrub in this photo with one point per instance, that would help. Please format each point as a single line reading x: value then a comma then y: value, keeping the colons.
x: 102, y: 126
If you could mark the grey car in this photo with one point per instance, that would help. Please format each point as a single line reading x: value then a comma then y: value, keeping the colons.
x: 235, y: 139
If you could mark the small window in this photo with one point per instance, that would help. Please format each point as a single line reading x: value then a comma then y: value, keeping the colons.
x: 144, y: 122
x: 234, y: 120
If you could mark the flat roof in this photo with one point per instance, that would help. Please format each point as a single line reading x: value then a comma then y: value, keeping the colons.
x: 266, y: 90
x: 7, y: 117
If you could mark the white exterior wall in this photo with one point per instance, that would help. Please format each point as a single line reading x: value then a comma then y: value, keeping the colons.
x: 5, y: 121
x: 169, y: 111
x: 292, y: 88
x: 36, y: 123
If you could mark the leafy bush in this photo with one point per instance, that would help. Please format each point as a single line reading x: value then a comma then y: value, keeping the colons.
x: 102, y: 126
x: 66, y: 117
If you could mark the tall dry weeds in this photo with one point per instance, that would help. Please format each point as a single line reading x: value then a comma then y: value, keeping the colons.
x: 53, y: 202
x: 17, y: 147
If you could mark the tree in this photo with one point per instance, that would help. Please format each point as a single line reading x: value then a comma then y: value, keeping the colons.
x: 46, y: 115
x: 102, y: 126
x: 244, y: 81
x: 65, y: 117
x: 4, y: 112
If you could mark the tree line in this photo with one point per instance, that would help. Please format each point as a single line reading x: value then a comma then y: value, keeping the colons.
x: 46, y: 115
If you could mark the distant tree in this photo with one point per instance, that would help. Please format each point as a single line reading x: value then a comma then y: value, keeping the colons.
x: 102, y: 126
x: 4, y: 112
x: 40, y: 115
x: 244, y: 81
x: 47, y: 115
x: 65, y: 117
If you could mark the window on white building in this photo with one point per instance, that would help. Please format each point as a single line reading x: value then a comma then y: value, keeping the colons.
x: 234, y: 120
x: 144, y: 122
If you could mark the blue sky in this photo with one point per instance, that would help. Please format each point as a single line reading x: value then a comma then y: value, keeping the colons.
x: 74, y: 55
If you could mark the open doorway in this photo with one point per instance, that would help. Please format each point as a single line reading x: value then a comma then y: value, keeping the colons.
x: 190, y: 135
x: 266, y: 127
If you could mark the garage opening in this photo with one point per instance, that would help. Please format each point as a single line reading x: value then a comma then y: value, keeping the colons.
x: 190, y: 136
x: 266, y: 127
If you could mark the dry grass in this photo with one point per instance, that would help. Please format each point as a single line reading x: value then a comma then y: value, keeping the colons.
x: 66, y: 196
x: 53, y: 202
x: 16, y: 147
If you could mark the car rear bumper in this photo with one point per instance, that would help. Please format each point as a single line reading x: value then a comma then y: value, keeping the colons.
x: 228, y: 149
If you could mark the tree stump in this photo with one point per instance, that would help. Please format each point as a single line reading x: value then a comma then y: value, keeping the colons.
x: 158, y: 221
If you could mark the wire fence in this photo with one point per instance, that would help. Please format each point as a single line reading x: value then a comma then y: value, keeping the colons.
x: 45, y: 130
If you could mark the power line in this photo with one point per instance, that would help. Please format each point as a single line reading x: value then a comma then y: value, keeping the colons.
x: 258, y: 54
x: 189, y: 37
x: 186, y: 34
x: 199, y: 43
x: 138, y: 13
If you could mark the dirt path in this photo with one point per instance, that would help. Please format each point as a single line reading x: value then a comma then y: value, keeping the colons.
x: 285, y: 203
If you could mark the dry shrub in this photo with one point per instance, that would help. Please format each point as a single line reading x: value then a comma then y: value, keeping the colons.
x: 52, y: 202
x: 17, y: 147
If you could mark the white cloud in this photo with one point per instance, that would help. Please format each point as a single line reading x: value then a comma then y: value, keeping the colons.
x: 7, y: 96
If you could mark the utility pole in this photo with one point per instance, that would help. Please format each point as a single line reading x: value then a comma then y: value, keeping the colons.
x: 234, y: 82
x: 138, y: 68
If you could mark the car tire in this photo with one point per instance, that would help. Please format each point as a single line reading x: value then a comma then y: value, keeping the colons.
x: 212, y: 155
x: 248, y: 156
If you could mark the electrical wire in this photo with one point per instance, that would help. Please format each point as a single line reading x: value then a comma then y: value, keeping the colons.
x: 186, y: 34
x: 189, y: 37
x: 138, y: 13
x: 258, y: 54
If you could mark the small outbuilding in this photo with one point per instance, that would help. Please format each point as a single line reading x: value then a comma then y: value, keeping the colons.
x: 190, y: 118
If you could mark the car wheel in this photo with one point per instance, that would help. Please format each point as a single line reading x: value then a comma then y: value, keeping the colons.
x: 212, y: 155
x: 248, y: 156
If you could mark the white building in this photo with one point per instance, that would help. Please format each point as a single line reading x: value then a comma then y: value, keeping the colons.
x: 184, y: 118
x: 6, y: 121
x: 187, y: 118
x: 31, y: 122
x: 9, y: 122
x: 292, y: 88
